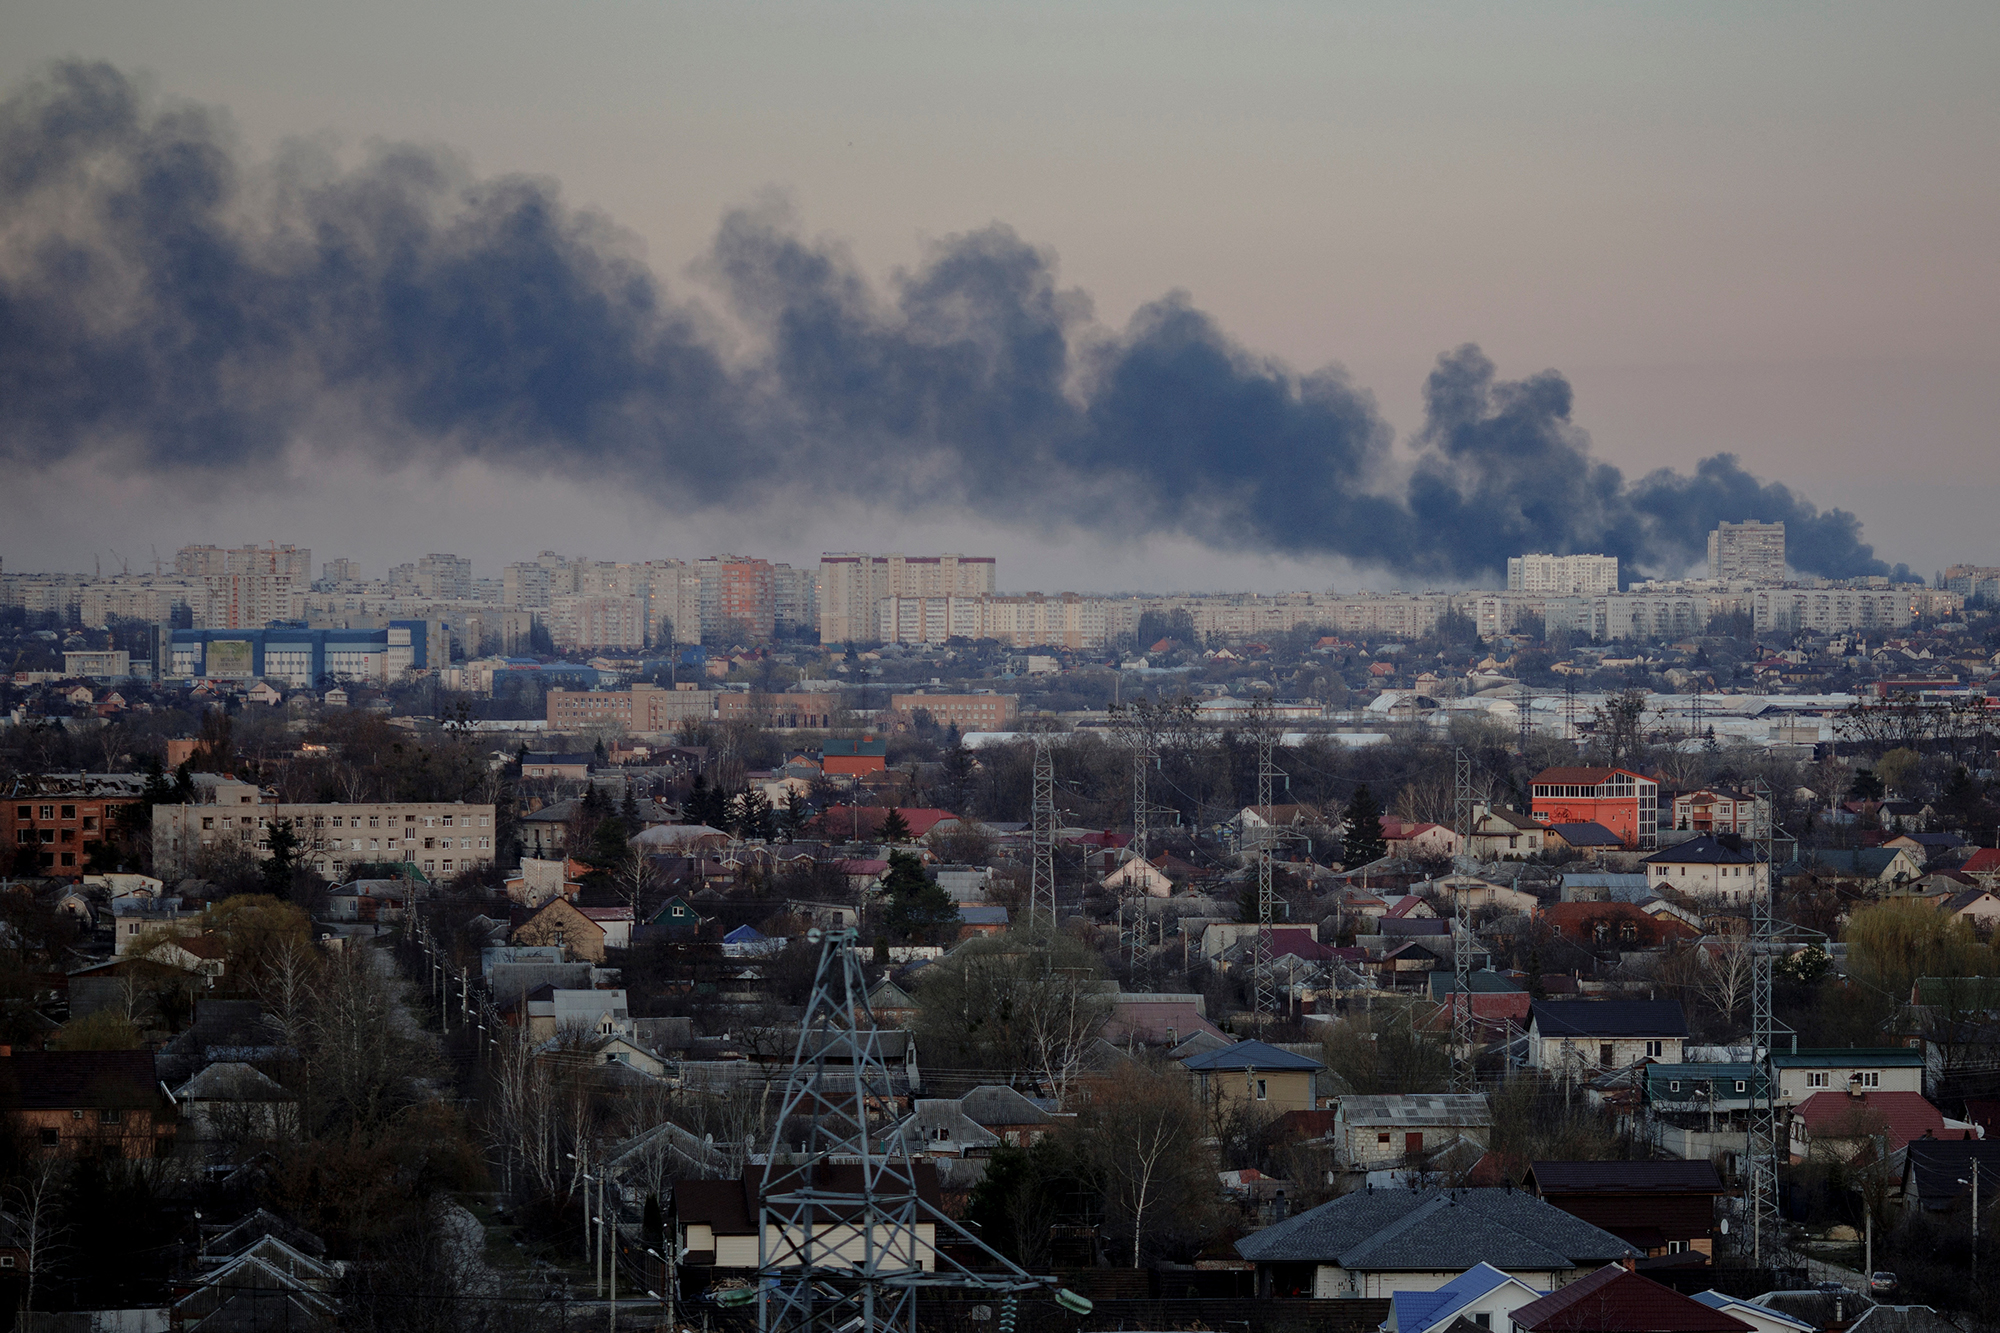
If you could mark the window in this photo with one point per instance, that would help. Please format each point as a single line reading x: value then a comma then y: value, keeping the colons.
x: 1604, y: 1053
x: 24, y: 812
x: 50, y: 1136
x: 1675, y: 1246
x: 1483, y: 1319
x: 1655, y: 1049
x: 1816, y: 1080
x: 1382, y: 1140
x: 208, y: 821
x: 430, y: 844
x: 557, y: 937
x: 110, y: 1115
x: 1674, y: 1085
x: 6, y: 1261
x: 1870, y: 1079
x: 1263, y: 1090
x: 1742, y: 1086
x: 90, y: 821
x: 69, y: 812
x: 46, y: 812
x: 447, y: 821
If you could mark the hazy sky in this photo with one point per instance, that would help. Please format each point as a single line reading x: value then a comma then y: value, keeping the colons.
x: 1761, y: 229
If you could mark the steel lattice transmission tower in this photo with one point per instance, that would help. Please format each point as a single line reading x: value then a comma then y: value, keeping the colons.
x: 1042, y: 887
x: 1463, y: 1029
x: 1263, y: 976
x: 839, y: 1246
x: 1145, y: 754
x: 1761, y: 1142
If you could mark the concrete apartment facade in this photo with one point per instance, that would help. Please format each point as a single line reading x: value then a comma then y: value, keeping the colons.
x: 439, y: 837
x: 1749, y: 550
x: 1562, y: 575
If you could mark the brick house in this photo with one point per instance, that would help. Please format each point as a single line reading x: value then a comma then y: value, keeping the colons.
x: 561, y: 923
x: 48, y: 821
x: 87, y: 1103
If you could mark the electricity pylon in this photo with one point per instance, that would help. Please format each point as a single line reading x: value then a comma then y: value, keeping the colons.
x: 1042, y: 887
x: 839, y: 1245
x: 1263, y: 979
x: 1463, y: 1029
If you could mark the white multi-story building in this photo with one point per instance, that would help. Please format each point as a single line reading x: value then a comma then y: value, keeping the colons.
x: 1749, y: 550
x: 1563, y: 575
x: 591, y: 622
x: 1828, y: 610
x: 851, y: 587
x: 439, y: 837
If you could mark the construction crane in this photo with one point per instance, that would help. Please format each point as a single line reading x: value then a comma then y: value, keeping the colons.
x: 840, y: 1243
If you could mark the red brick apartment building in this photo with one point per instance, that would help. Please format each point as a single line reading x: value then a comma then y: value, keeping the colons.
x: 50, y: 817
x: 968, y: 712
x: 745, y: 596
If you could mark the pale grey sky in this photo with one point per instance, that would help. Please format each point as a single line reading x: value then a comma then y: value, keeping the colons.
x: 1766, y: 229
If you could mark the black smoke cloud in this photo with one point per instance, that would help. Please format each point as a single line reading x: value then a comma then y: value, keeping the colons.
x: 166, y: 305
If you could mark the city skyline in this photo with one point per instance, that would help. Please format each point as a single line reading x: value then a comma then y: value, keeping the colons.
x: 1849, y: 346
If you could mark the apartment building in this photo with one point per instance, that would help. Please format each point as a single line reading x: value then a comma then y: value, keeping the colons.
x: 595, y: 622
x: 738, y: 599
x: 245, y: 587
x: 1749, y: 550
x: 794, y: 708
x: 851, y: 587
x: 438, y: 837
x: 1828, y: 609
x: 967, y: 712
x: 1974, y: 582
x: 47, y: 820
x: 443, y: 577
x: 1562, y: 575
x: 642, y: 708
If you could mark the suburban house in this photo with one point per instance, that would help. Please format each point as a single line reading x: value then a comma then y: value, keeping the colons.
x: 232, y: 1104
x: 716, y: 1220
x: 1937, y: 1173
x: 1503, y: 835
x: 1589, y: 1035
x: 1008, y: 1115
x: 1886, y: 866
x: 1588, y: 840
x: 1255, y: 1071
x: 562, y: 923
x: 1377, y: 1132
x: 88, y: 1103
x: 1762, y: 1318
x: 1139, y: 876
x: 1804, y: 1073
x: 1419, y: 840
x: 1718, y: 810
x: 1616, y: 1300
x: 1482, y: 1296
x: 1719, y: 868
x: 1868, y: 1126
x: 1661, y: 1209
x: 1158, y: 1018
x: 1615, y: 925
x: 1625, y: 802
x: 1374, y: 1243
x: 1470, y: 894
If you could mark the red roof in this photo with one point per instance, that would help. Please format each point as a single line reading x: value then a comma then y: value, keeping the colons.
x: 1903, y: 1115
x: 1612, y: 1300
x: 1577, y: 777
x: 1985, y: 861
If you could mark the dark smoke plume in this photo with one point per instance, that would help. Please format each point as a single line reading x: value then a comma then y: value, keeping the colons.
x: 166, y: 305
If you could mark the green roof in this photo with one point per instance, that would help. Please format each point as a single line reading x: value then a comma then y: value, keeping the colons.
x: 1813, y: 1057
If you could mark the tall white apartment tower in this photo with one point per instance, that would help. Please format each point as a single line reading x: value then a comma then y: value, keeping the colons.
x: 851, y: 585
x: 1562, y: 575
x: 1750, y: 550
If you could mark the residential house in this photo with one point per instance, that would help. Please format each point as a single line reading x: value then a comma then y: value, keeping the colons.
x: 1762, y: 1318
x: 1157, y: 1019
x: 1587, y: 839
x: 1588, y: 1035
x: 1813, y: 1070
x: 1868, y: 1126
x: 1256, y: 1072
x: 1616, y: 1300
x: 1937, y: 1173
x: 1661, y: 1209
x: 1984, y: 866
x: 577, y: 1015
x: 1882, y: 866
x: 1615, y: 925
x: 87, y: 1103
x: 560, y: 922
x: 1015, y: 1120
x: 1373, y: 1243
x: 616, y: 923
x: 539, y: 880
x: 1625, y: 802
x: 1270, y: 825
x: 231, y: 1104
x: 1419, y: 840
x: 854, y: 758
x: 1978, y: 906
x: 716, y: 1221
x: 1503, y: 835
x: 1719, y: 810
x: 1718, y: 868
x: 981, y: 919
x: 1377, y: 1132
x: 1138, y: 876
x: 1482, y: 1297
x: 1701, y: 1110
x: 891, y: 1005
x: 1469, y: 894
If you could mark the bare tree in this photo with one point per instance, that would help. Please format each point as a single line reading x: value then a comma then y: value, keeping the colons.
x: 36, y: 1196
x: 1724, y: 978
x: 1146, y: 1138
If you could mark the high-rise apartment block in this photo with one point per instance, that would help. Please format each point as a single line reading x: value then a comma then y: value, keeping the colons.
x: 1749, y: 550
x: 738, y: 599
x: 245, y: 587
x: 1562, y: 575
x: 596, y: 621
x: 852, y: 586
x: 337, y: 572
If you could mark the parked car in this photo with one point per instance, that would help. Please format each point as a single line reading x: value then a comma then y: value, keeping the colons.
x: 1881, y: 1284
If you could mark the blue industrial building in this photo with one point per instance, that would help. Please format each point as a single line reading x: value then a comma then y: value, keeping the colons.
x: 300, y: 656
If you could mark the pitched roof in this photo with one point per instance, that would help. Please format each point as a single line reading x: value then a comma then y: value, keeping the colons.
x: 62, y: 1080
x: 1588, y: 834
x: 1859, y: 1057
x: 1612, y: 1300
x: 992, y: 1104
x: 1610, y: 1018
x: 1707, y: 850
x: 1936, y: 1166
x: 1440, y: 1109
x: 1251, y: 1055
x: 1419, y: 1310
x: 1903, y: 1116
x: 233, y: 1081
x: 1573, y: 777
x: 1699, y: 1177
x: 1985, y: 861
x: 1715, y: 1300
x: 1435, y: 1229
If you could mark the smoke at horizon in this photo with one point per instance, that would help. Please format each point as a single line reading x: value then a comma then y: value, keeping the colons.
x: 168, y: 304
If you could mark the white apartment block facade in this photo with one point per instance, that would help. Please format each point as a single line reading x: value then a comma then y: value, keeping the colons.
x: 1828, y: 610
x: 1749, y: 550
x: 851, y: 587
x: 1562, y: 575
x: 439, y: 837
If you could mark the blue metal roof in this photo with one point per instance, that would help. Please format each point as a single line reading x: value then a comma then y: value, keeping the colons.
x: 1250, y: 1055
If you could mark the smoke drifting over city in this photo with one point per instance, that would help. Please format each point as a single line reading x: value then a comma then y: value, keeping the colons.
x: 170, y: 305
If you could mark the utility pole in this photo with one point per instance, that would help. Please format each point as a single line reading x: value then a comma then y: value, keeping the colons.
x: 1527, y: 709
x: 1042, y: 888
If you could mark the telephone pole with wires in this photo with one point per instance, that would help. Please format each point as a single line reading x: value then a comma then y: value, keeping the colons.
x: 1042, y: 886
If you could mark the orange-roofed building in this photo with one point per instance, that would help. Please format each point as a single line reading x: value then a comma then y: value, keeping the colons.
x: 1625, y: 802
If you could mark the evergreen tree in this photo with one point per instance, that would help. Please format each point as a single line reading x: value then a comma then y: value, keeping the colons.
x: 1361, y: 829
x: 282, y: 841
x: 919, y: 910
x: 628, y: 810
x: 894, y: 828
x: 753, y: 814
x: 1867, y: 786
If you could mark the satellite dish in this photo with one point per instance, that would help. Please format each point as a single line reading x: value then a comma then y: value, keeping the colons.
x: 812, y: 936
